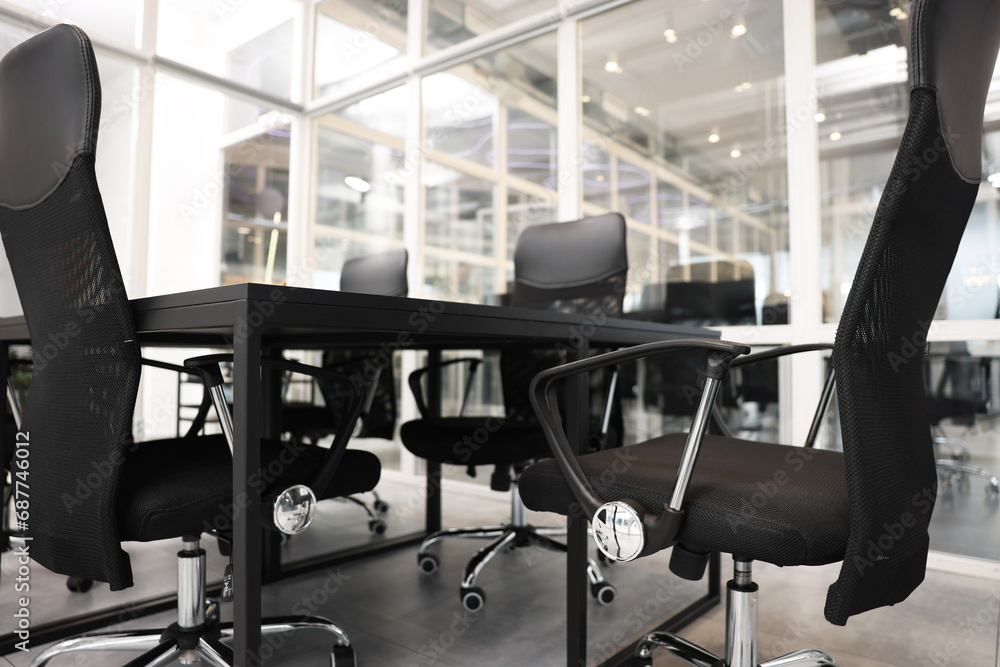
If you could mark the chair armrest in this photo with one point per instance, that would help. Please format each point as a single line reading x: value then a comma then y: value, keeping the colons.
x: 208, y: 366
x: 415, y: 377
x: 198, y: 422
x: 156, y: 363
x: 782, y: 351
x: 828, y: 384
x: 659, y: 531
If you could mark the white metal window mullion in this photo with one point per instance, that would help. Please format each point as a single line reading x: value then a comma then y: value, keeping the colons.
x: 413, y: 205
x: 500, y: 221
x: 569, y: 135
x: 141, y: 174
x: 805, y: 373
x: 302, y: 165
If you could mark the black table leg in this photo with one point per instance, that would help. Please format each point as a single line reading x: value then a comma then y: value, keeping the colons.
x: 577, y: 427
x: 433, y: 501
x: 271, y: 427
x: 246, y: 494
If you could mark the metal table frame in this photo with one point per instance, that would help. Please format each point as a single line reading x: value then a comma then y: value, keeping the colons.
x: 251, y: 317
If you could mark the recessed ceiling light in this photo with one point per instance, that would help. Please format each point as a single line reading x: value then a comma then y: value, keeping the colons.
x: 670, y: 35
x: 994, y: 179
x: 713, y: 138
x: 898, y: 13
x: 613, y: 65
x: 735, y: 153
x: 738, y: 30
x: 358, y: 184
x: 599, y: 178
x: 838, y: 115
x: 585, y: 99
x: 642, y: 111
x: 820, y: 116
x: 836, y: 136
x: 743, y: 86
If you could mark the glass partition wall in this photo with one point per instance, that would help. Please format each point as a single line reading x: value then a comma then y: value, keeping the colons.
x: 746, y: 145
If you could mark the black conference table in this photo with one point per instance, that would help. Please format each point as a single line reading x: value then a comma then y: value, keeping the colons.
x: 251, y: 318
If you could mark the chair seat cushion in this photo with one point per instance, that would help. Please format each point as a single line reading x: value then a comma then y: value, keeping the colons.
x: 182, y: 487
x: 473, y: 441
x: 779, y: 504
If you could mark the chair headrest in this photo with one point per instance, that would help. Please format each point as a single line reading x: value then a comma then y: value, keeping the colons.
x: 948, y: 43
x: 50, y: 106
x: 378, y: 273
x: 569, y: 254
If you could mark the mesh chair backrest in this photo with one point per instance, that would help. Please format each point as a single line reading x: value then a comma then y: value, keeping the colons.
x: 572, y: 267
x: 879, y: 348
x: 378, y: 273
x: 86, y: 360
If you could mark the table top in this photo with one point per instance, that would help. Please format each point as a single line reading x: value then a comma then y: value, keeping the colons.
x: 299, y: 318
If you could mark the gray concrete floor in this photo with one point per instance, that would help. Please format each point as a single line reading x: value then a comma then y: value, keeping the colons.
x: 397, y: 616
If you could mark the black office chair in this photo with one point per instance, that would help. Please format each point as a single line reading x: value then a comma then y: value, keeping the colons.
x: 376, y: 273
x: 959, y: 395
x: 869, y: 506
x: 78, y: 419
x: 572, y: 267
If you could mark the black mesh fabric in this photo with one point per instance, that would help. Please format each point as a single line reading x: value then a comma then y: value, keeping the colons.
x: 878, y: 356
x: 779, y: 504
x: 86, y: 375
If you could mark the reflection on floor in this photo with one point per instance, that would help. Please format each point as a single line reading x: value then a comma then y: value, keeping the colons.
x: 397, y: 616
x: 965, y: 520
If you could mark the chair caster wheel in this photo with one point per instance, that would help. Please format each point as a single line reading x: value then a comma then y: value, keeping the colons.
x: 604, y: 593
x: 342, y: 656
x: 473, y: 599
x: 428, y: 563
x: 79, y: 584
x: 604, y: 560
x: 377, y: 527
x: 382, y: 506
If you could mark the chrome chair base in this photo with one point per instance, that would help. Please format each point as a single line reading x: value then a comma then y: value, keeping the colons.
x: 514, y: 535
x: 197, y: 636
x: 741, y: 635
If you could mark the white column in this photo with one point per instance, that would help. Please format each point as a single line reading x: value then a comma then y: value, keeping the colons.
x: 570, y: 131
x: 805, y: 242
x: 413, y: 203
x: 142, y: 165
x: 301, y: 163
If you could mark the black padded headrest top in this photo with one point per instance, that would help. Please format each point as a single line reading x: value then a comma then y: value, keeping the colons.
x: 570, y: 254
x: 378, y: 273
x: 951, y: 39
x: 50, y: 108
